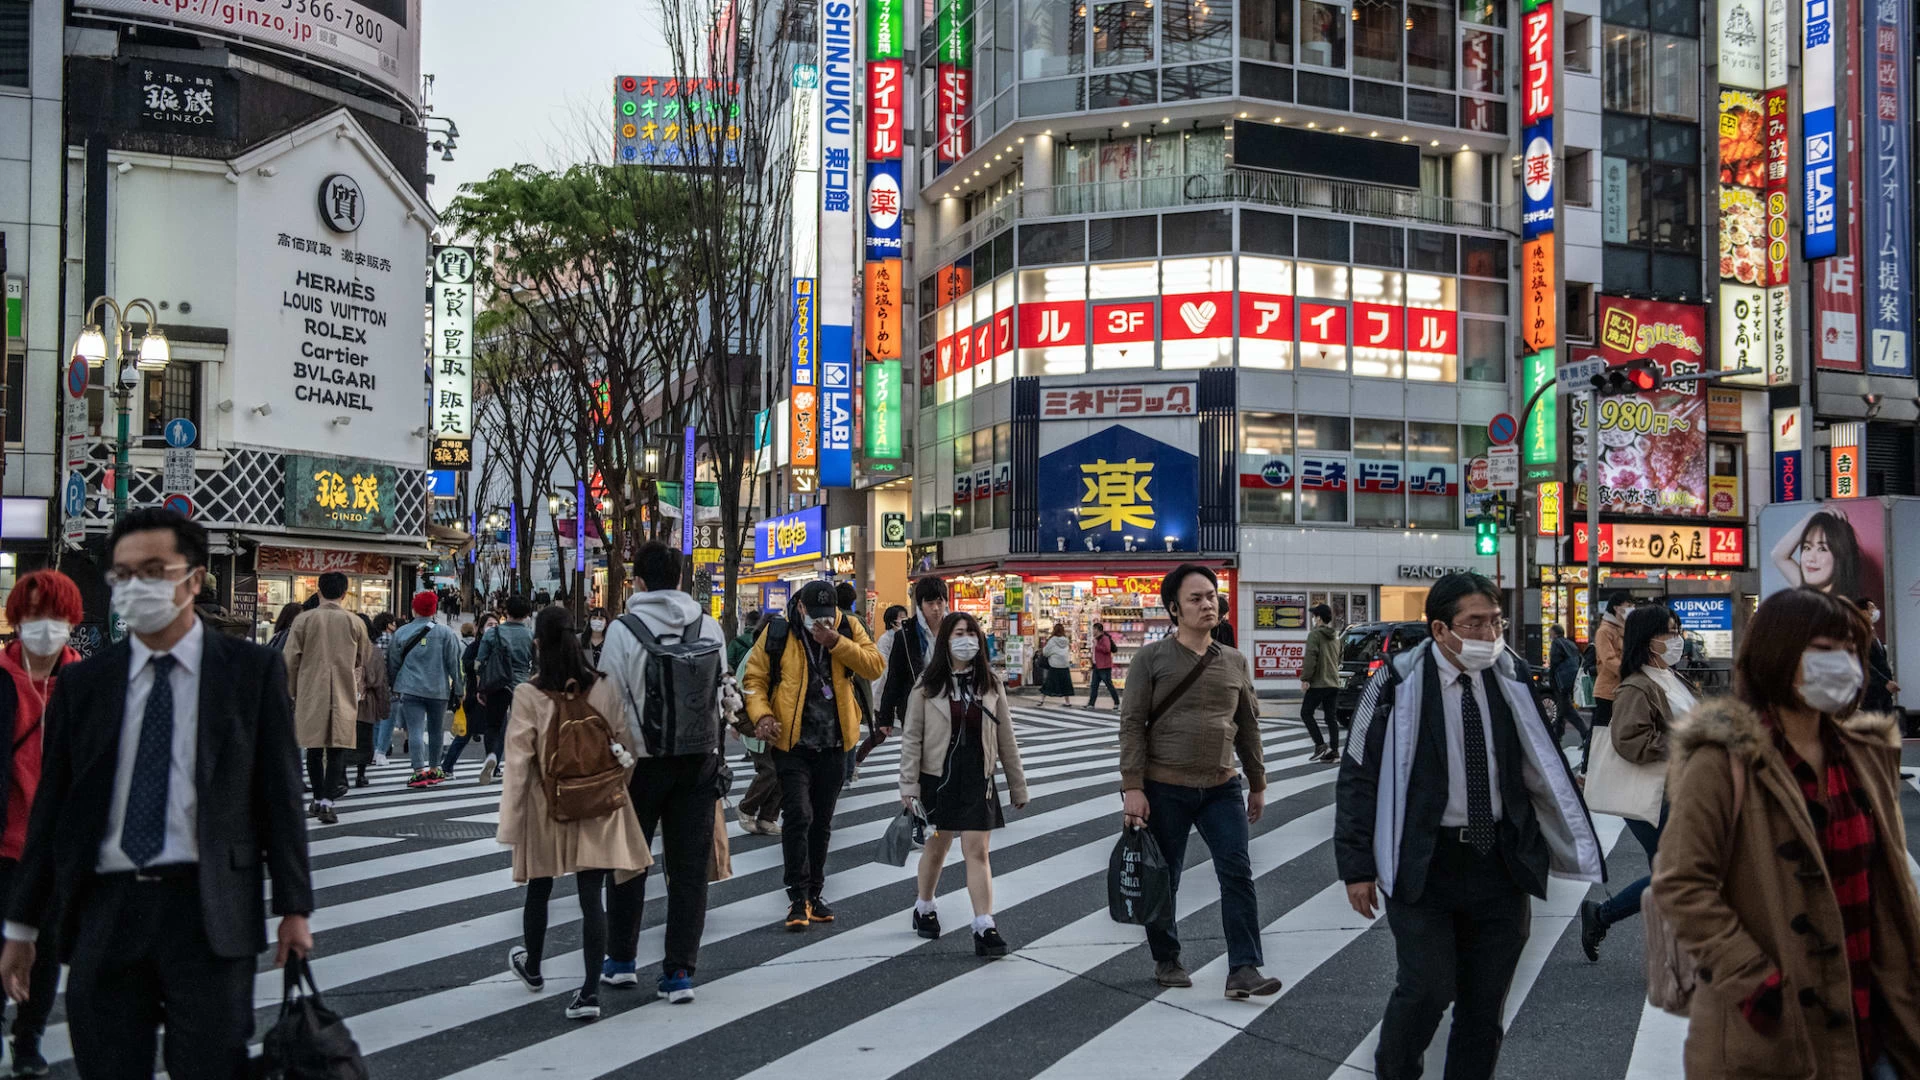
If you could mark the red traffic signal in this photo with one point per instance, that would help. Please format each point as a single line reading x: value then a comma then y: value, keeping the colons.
x: 1633, y: 377
x: 1644, y: 375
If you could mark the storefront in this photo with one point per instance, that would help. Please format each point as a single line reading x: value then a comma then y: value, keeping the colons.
x: 788, y: 551
x: 1660, y: 564
x: 288, y: 575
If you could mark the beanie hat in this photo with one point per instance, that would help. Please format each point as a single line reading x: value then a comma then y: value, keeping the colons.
x: 425, y: 603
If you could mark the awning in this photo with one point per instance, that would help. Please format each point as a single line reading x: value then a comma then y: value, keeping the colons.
x: 369, y: 546
x: 448, y: 536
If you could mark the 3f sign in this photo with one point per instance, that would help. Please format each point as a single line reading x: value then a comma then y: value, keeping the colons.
x: 1121, y: 321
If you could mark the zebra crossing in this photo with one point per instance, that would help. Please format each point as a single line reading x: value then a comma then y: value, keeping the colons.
x: 417, y: 909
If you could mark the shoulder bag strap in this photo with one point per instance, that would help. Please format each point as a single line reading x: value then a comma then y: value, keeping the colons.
x: 408, y: 648
x: 1180, y: 689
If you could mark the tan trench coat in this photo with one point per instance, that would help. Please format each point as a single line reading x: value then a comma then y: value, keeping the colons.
x: 325, y: 651
x: 1776, y: 908
x: 543, y: 847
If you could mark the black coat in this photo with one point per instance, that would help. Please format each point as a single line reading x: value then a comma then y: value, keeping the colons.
x: 1522, y: 846
x: 1879, y: 674
x: 909, y: 655
x: 249, y: 802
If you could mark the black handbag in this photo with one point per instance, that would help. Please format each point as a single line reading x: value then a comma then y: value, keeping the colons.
x: 309, y: 1041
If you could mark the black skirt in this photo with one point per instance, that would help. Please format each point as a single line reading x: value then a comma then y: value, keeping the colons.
x: 1058, y: 682
x: 964, y: 799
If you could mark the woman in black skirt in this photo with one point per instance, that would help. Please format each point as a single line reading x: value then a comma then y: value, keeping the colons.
x: 958, y: 728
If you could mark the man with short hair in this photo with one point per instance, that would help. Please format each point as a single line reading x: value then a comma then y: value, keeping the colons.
x: 801, y: 699
x: 505, y: 660
x: 1189, y: 704
x: 167, y: 787
x: 1320, y: 675
x: 325, y: 651
x: 1477, y: 809
x: 672, y: 793
x: 423, y: 668
x: 912, y: 645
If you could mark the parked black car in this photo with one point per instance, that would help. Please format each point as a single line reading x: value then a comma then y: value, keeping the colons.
x: 1364, y: 649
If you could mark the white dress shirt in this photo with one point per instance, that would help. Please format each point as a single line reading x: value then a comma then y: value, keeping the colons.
x: 182, y: 844
x: 1455, y: 816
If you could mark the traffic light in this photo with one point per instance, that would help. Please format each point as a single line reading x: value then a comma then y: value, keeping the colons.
x: 1486, y: 538
x: 1632, y: 377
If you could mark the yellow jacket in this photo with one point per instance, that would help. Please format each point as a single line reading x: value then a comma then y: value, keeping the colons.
x: 853, y: 654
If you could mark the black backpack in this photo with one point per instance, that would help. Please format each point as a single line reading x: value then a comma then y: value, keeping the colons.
x: 683, y: 678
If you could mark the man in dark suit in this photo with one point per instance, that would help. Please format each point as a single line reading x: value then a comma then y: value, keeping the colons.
x: 168, y: 781
x: 1478, y: 808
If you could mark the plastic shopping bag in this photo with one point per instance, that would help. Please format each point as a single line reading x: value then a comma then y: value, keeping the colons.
x: 460, y: 722
x: 1139, y: 887
x: 907, y: 832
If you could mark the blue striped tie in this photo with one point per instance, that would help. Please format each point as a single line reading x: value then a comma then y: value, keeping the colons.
x: 144, y: 831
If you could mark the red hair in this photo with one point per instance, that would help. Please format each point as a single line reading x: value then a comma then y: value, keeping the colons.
x: 44, y: 594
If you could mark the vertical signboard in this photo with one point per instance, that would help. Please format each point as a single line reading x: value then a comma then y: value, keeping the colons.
x: 452, y: 419
x: 689, y: 482
x: 1846, y: 465
x: 1789, y: 449
x: 1539, y: 267
x: 884, y: 323
x: 882, y: 409
x: 1818, y: 150
x: 1887, y: 192
x: 954, y: 99
x: 1755, y: 138
x: 838, y: 54
x: 803, y: 404
x: 1836, y: 298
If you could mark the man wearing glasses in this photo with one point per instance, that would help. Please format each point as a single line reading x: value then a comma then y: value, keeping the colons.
x: 1454, y: 802
x: 167, y: 787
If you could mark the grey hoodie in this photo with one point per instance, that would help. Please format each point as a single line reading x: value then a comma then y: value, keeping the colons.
x: 669, y: 615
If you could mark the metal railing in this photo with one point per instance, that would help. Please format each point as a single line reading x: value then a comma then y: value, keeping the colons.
x: 1278, y: 190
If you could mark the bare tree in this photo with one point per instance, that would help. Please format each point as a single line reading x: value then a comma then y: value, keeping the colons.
x: 510, y: 371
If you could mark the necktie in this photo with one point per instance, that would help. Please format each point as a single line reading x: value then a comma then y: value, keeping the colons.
x: 144, y: 831
x: 1479, y: 796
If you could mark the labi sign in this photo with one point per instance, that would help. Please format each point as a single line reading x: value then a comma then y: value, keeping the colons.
x: 340, y: 493
x: 1118, y: 490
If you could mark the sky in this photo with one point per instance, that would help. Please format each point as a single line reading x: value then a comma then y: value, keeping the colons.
x: 527, y: 80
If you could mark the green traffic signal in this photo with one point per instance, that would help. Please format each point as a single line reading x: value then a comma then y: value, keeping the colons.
x: 1486, y: 538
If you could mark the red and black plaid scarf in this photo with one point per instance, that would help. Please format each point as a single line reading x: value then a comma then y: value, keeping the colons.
x: 1850, y: 842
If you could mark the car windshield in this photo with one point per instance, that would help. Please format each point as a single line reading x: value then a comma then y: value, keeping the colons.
x: 1361, y: 644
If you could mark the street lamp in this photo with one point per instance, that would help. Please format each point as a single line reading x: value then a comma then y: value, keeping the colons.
x: 152, y: 357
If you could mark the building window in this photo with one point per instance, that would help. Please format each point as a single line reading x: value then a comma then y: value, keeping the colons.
x: 1122, y: 33
x: 1379, y: 473
x: 1578, y: 48
x: 1266, y: 468
x: 1266, y: 30
x: 1198, y: 30
x: 1483, y: 62
x: 1053, y: 38
x: 170, y: 394
x: 1376, y: 39
x: 1324, y: 470
x: 1578, y: 183
x: 16, y: 17
x: 1433, y: 473
x: 1483, y: 350
x: 1623, y: 82
x: 1430, y: 43
x: 1580, y: 311
x: 1676, y: 77
x: 1323, y: 34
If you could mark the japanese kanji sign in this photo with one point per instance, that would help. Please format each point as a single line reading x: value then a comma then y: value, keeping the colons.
x: 1118, y: 489
x: 1135, y: 399
x: 453, y: 304
x: 1886, y: 191
x: 1664, y: 545
x: 839, y: 70
x: 340, y: 493
x: 803, y: 408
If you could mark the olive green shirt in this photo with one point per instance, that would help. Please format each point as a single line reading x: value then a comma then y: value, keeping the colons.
x: 1194, y: 741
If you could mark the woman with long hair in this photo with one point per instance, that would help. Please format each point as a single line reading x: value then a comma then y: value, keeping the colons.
x: 43, y: 609
x: 383, y: 626
x: 545, y: 848
x: 283, y: 623
x: 1783, y: 867
x: 1651, y: 698
x: 1822, y: 553
x: 958, y: 728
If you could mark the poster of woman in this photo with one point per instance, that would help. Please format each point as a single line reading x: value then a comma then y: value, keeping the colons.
x: 1837, y: 547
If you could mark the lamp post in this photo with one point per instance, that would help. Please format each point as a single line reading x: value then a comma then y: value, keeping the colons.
x: 153, y: 356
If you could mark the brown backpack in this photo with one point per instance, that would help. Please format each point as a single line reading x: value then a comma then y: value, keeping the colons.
x: 582, y: 777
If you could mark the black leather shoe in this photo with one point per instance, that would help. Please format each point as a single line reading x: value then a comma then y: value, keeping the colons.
x: 989, y: 943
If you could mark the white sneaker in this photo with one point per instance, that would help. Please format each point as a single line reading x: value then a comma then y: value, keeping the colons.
x: 487, y: 770
x: 379, y: 759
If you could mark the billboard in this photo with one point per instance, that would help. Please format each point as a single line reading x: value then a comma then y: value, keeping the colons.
x: 1838, y: 548
x: 1887, y: 197
x: 1118, y: 490
x: 375, y: 40
x: 803, y: 404
x: 1818, y: 147
x: 666, y: 120
x: 839, y: 53
x: 1653, y: 446
x: 1756, y: 136
x: 453, y: 303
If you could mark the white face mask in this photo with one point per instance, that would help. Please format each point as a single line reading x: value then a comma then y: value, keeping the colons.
x: 1477, y: 655
x: 597, y: 624
x: 148, y: 606
x: 1874, y: 616
x: 1829, y: 679
x: 45, y: 637
x: 1674, y: 651
x: 964, y: 649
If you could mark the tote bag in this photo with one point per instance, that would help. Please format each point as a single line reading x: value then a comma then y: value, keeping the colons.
x: 1618, y: 786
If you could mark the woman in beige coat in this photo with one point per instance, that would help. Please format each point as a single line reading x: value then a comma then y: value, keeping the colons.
x: 325, y: 651
x: 1796, y: 908
x: 543, y: 848
x: 958, y: 728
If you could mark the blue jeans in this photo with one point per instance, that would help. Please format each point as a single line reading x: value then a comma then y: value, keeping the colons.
x: 422, y: 718
x: 1625, y: 904
x: 1220, y: 813
x: 383, y: 735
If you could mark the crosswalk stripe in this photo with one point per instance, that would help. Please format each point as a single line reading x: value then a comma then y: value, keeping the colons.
x: 1659, y: 1046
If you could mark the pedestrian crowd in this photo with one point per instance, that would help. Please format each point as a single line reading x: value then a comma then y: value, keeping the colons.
x: 152, y: 802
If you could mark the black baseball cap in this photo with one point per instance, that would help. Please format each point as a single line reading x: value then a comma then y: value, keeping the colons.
x: 818, y: 600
